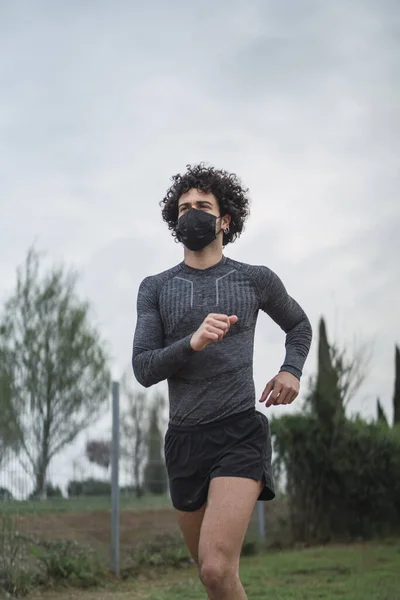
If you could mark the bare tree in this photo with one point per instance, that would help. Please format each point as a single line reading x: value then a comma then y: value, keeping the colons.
x: 8, y: 431
x: 134, y: 425
x: 57, y: 380
x: 352, y: 367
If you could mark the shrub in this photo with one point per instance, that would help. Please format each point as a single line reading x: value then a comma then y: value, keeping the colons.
x: 51, y: 492
x: 165, y: 549
x: 89, y: 487
x: 340, y: 484
x: 5, y: 495
x: 15, y: 577
x: 66, y: 561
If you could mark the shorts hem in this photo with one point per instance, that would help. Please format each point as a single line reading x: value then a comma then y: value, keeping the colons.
x: 267, y: 493
x: 190, y: 508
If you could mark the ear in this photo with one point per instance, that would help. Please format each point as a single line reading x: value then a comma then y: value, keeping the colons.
x: 225, y: 221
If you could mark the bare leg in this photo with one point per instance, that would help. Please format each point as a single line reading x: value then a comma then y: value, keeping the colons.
x: 190, y: 524
x: 231, y: 502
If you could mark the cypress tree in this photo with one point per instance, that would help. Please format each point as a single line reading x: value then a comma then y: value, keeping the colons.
x: 396, y: 395
x: 327, y: 401
x: 381, y: 414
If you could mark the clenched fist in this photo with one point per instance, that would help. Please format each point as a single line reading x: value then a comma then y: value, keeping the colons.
x: 214, y: 327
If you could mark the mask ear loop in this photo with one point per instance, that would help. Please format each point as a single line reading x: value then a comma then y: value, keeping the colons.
x: 226, y: 229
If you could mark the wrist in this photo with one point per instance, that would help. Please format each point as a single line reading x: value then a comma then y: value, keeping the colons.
x: 193, y: 344
x: 292, y: 370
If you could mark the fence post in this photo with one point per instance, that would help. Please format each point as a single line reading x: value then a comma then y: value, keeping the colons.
x: 261, y: 521
x: 115, y: 480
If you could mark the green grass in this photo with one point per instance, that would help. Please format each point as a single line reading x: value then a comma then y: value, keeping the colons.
x: 52, y: 505
x: 358, y: 572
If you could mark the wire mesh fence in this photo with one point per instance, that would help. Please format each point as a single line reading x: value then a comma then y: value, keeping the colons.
x: 74, y: 500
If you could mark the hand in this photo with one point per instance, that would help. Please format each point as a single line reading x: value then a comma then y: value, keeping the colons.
x: 285, y: 388
x: 214, y: 327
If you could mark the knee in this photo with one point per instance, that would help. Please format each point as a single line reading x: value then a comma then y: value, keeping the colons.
x: 216, y: 574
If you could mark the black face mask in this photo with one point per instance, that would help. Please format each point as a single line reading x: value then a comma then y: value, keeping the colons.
x: 196, y: 229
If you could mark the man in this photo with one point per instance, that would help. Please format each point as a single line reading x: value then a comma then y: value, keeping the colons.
x: 195, y: 328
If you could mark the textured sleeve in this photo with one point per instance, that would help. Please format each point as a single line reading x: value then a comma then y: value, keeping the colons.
x: 290, y: 317
x: 152, y: 362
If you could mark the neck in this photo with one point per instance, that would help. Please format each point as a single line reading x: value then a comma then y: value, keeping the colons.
x: 203, y: 259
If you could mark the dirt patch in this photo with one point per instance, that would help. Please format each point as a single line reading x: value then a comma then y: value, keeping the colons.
x: 94, y: 527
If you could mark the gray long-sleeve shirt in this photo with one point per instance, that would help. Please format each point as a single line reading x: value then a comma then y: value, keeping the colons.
x: 213, y: 383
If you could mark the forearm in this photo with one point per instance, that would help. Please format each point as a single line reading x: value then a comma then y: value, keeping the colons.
x: 152, y: 366
x: 298, y: 342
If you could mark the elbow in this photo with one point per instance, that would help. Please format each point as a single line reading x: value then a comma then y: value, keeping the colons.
x: 146, y: 383
x: 306, y: 331
x: 300, y: 335
x: 143, y: 380
x: 305, y: 327
x: 309, y: 329
x: 141, y: 375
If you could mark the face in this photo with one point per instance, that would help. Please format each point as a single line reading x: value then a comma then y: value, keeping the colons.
x: 202, y: 201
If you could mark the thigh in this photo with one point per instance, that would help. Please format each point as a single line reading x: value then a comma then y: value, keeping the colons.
x: 190, y: 524
x: 231, y: 502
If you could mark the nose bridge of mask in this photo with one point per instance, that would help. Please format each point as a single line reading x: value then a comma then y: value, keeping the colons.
x: 196, y: 215
x: 197, y: 211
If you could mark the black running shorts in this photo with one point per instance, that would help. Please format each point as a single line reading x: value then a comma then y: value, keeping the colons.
x: 238, y: 446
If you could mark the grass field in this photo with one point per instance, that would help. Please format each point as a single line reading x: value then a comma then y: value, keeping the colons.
x: 357, y: 572
x: 87, y: 521
x: 55, y: 505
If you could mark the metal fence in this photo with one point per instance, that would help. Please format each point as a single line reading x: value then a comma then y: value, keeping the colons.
x: 111, y: 516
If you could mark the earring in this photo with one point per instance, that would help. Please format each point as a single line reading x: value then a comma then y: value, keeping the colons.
x: 226, y: 230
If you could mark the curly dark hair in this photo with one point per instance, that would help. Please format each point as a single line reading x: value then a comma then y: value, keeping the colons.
x: 226, y: 187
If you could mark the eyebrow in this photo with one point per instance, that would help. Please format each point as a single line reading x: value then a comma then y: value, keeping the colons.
x: 184, y: 204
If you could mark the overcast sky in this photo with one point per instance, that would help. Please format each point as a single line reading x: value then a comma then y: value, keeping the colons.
x: 101, y: 102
